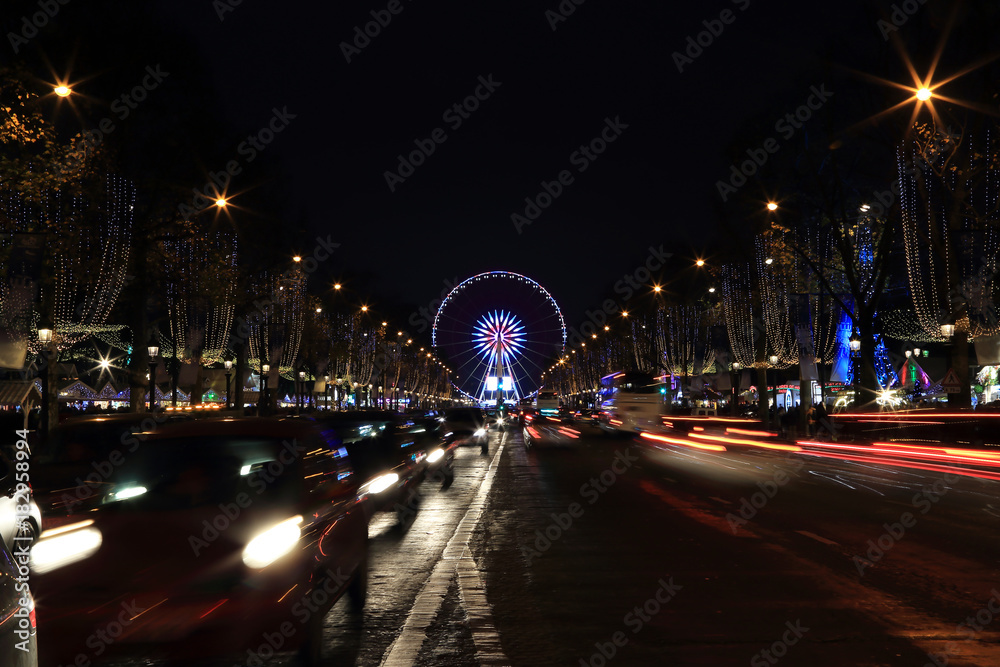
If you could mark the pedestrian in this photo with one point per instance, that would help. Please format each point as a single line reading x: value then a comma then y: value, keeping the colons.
x: 821, y: 419
x: 811, y: 421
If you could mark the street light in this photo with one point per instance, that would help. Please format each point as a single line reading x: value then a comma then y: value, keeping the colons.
x: 62, y: 91
x: 774, y: 390
x: 229, y: 375
x: 45, y: 338
x: 262, y: 396
x: 153, y: 349
x: 300, y: 398
x: 947, y: 330
x: 736, y: 387
x: 855, y: 345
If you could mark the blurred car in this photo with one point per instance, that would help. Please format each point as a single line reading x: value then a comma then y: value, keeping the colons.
x: 79, y: 457
x: 14, y: 521
x: 18, y: 638
x: 391, y: 454
x: 203, y: 540
x: 546, y: 430
x: 466, y: 426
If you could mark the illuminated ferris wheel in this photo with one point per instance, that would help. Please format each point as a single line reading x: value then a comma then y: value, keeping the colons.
x: 499, y: 331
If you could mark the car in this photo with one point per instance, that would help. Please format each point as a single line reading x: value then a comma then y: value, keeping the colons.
x: 466, y: 426
x: 18, y: 634
x: 539, y: 429
x: 205, y: 540
x: 20, y: 516
x: 391, y: 454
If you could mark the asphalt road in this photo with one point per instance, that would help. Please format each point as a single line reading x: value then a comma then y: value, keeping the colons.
x: 614, y: 552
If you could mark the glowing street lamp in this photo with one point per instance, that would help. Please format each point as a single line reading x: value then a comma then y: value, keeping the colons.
x: 153, y: 349
x: 62, y: 90
x: 45, y: 338
x: 221, y: 202
x: 229, y: 376
x: 924, y: 94
x: 771, y: 206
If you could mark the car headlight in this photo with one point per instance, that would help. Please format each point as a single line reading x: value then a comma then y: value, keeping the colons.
x: 380, y: 484
x: 435, y: 455
x: 64, y: 545
x: 273, y: 543
x: 129, y: 492
x: 480, y: 432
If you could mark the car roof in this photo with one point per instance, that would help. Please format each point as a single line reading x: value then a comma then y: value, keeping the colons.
x: 239, y: 426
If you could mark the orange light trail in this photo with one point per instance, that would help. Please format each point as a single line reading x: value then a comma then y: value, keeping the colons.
x: 684, y: 443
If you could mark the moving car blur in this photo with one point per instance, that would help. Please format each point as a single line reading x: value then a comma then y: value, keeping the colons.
x: 197, y: 539
x: 391, y: 454
x: 466, y: 426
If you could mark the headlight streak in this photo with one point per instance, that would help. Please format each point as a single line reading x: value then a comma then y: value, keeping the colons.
x: 273, y: 543
x: 381, y: 483
x: 435, y: 456
x: 65, y: 545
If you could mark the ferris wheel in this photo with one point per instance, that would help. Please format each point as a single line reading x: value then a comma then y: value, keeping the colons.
x: 499, y: 331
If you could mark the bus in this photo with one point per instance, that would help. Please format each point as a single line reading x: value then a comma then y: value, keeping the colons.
x: 630, y: 401
x: 547, y: 402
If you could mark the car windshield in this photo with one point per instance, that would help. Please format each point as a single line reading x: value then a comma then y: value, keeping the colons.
x: 464, y: 415
x: 190, y: 472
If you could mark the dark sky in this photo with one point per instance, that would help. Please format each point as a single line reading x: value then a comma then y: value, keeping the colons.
x: 607, y: 60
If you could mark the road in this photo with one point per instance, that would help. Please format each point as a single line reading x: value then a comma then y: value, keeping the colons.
x: 616, y: 552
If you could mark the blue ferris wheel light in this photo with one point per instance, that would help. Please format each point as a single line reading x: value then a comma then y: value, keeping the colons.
x: 494, y: 349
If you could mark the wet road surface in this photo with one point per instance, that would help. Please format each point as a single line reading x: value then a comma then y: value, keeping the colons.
x: 615, y: 552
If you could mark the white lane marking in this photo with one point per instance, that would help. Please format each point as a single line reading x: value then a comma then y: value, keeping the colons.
x: 456, y: 559
x: 816, y: 537
x: 718, y: 500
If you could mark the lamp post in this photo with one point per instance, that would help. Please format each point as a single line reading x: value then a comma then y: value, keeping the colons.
x: 736, y: 388
x: 262, y: 397
x: 774, y: 389
x: 855, y: 345
x: 338, y: 391
x: 229, y: 375
x: 369, y: 402
x: 45, y: 338
x: 300, y: 394
x: 153, y: 349
x: 326, y: 390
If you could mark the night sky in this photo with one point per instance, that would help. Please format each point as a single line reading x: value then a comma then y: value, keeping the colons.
x: 555, y: 82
